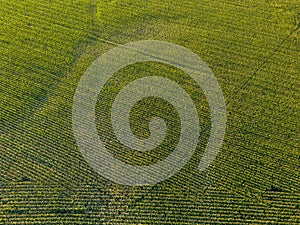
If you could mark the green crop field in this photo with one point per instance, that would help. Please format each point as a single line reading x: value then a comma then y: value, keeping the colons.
x: 252, y: 47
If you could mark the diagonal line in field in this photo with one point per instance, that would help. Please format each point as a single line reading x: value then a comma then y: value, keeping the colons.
x: 264, y: 62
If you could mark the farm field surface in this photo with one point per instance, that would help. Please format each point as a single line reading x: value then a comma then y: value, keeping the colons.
x: 252, y: 48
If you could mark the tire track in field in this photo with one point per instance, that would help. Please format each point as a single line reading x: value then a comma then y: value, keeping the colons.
x: 264, y: 62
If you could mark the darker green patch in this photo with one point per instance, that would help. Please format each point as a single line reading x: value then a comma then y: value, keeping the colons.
x: 274, y: 188
x: 145, y: 110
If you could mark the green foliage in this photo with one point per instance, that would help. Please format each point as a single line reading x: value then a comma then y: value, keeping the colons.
x: 252, y: 48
